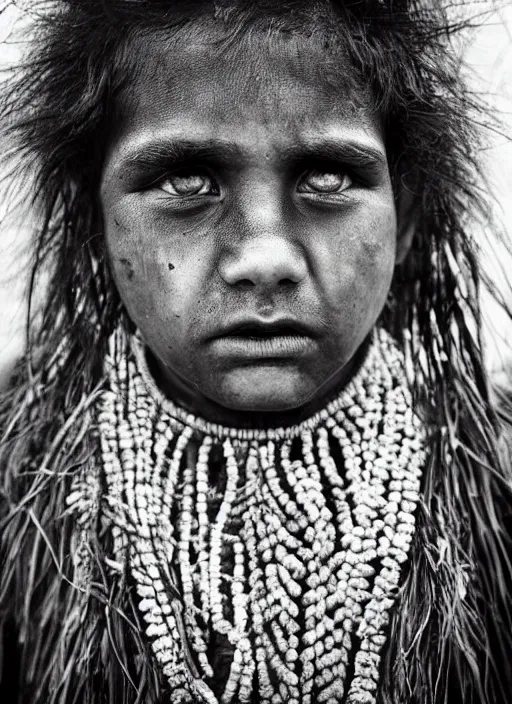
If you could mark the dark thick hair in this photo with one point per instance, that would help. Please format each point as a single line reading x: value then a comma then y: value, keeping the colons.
x: 453, y: 625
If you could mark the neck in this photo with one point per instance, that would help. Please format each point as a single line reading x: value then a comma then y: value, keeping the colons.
x: 190, y: 399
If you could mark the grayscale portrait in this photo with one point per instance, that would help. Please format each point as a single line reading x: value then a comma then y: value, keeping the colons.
x: 256, y: 386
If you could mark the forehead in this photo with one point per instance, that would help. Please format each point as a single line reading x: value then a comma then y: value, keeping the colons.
x: 198, y: 83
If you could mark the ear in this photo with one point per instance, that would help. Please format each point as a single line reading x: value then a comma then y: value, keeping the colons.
x: 407, y: 214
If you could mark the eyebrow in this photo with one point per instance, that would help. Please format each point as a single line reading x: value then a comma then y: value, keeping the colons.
x: 165, y: 152
x: 169, y: 151
x: 354, y: 151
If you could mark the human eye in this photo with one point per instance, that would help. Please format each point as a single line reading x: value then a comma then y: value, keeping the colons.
x: 187, y: 184
x: 328, y: 182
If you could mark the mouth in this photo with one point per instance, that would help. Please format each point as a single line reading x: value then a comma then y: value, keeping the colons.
x: 266, y: 330
x: 262, y: 340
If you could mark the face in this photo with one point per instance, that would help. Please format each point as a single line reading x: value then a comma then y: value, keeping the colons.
x: 250, y: 223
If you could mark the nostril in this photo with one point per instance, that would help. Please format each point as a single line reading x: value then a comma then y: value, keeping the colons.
x: 286, y: 282
x: 245, y: 283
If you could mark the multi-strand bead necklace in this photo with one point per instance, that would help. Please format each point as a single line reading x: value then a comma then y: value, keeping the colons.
x: 285, y: 542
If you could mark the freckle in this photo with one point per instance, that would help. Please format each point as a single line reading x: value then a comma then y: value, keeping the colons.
x: 119, y: 224
x: 171, y: 266
x: 128, y: 267
x: 177, y: 316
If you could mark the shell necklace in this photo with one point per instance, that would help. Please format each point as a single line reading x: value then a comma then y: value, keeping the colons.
x: 287, y: 542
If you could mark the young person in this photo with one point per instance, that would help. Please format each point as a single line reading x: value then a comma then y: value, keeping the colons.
x: 251, y: 454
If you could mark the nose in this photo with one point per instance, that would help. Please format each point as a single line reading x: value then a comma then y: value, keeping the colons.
x: 263, y: 249
x: 266, y: 261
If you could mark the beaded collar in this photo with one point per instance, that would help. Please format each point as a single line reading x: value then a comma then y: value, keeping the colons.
x: 287, y: 542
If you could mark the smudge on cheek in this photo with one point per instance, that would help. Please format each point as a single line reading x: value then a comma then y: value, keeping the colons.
x: 128, y: 268
x: 376, y: 258
x: 372, y: 249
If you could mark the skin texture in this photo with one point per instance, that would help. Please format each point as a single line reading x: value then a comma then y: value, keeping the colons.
x: 248, y: 190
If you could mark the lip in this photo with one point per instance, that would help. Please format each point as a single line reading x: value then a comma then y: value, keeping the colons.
x: 276, y: 347
x: 261, y: 327
x: 255, y: 338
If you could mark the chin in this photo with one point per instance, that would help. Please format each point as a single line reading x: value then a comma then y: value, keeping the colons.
x: 257, y: 404
x: 270, y: 391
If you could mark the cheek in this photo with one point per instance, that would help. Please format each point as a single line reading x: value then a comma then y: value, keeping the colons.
x: 138, y: 271
x: 157, y: 280
x: 374, y: 264
x: 360, y: 261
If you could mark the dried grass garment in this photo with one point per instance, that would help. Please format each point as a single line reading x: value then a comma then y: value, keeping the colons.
x: 74, y: 630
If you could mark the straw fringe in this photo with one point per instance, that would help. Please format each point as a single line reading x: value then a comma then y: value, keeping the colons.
x: 78, y: 630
